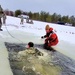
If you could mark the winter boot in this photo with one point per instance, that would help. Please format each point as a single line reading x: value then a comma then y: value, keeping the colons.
x: 1, y: 29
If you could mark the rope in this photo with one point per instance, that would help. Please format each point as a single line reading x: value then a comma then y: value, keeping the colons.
x: 12, y: 35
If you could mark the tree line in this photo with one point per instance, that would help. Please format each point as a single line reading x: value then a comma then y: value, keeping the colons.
x: 44, y: 16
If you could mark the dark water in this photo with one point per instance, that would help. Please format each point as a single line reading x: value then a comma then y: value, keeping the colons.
x: 66, y: 64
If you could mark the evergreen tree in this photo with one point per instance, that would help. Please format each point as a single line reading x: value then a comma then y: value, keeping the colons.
x: 30, y: 15
x: 17, y: 12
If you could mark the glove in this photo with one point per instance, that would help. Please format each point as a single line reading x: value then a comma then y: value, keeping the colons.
x: 42, y: 37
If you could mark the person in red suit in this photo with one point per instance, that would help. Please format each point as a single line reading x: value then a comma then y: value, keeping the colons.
x: 51, y: 38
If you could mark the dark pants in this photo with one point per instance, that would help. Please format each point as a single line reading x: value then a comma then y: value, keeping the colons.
x: 48, y: 48
x: 0, y: 23
x: 4, y: 21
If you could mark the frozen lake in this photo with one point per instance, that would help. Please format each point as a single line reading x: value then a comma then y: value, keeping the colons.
x: 13, y: 32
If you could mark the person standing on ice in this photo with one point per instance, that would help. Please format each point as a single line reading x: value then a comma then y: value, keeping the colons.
x: 1, y: 15
x: 51, y: 38
x: 4, y: 18
x: 22, y: 20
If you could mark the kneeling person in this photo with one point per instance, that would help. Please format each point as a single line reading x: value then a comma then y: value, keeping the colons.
x: 51, y: 38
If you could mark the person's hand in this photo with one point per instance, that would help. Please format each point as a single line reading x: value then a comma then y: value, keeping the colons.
x: 41, y: 54
x: 42, y: 37
x: 46, y: 40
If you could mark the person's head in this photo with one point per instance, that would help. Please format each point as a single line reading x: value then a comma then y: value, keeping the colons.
x: 47, y: 28
x: 30, y: 44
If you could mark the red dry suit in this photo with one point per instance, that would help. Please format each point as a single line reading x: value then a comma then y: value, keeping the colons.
x: 51, y: 38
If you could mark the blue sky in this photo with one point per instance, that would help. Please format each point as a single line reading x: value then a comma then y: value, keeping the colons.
x: 63, y: 7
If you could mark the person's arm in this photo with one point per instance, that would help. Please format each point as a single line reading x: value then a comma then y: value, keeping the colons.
x: 1, y: 10
x: 52, y: 38
x: 38, y: 52
x: 43, y: 36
